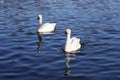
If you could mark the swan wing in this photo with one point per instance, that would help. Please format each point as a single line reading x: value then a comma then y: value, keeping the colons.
x: 47, y: 27
x: 75, y: 43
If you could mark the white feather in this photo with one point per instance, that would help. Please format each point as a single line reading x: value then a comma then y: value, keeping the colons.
x: 46, y: 27
x: 72, y: 44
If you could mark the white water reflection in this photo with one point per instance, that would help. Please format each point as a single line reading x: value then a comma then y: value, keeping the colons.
x: 39, y: 42
x: 40, y: 37
x: 40, y: 33
x: 69, y: 57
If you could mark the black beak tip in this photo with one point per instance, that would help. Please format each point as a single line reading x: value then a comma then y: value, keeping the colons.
x: 38, y: 18
x: 65, y: 32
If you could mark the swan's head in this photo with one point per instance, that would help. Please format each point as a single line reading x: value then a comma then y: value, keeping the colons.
x: 68, y: 31
x: 39, y: 17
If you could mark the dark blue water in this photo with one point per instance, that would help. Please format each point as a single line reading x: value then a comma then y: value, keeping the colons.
x: 24, y: 57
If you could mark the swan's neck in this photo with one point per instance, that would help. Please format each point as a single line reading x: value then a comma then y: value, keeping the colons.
x: 67, y: 47
x: 68, y: 38
x: 40, y: 21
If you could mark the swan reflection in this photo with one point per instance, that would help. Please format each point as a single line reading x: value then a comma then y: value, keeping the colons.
x: 41, y: 33
x: 40, y: 39
x: 39, y: 42
x: 69, y: 57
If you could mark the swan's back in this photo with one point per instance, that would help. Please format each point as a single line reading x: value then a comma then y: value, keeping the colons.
x: 47, y: 27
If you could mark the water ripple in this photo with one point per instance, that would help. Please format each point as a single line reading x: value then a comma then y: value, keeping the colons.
x: 24, y: 56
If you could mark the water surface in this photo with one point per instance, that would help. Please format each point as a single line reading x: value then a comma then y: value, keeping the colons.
x: 24, y: 57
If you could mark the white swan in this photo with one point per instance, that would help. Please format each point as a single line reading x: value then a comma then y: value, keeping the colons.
x: 46, y: 27
x: 72, y: 44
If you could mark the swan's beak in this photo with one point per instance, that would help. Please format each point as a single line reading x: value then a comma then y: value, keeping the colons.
x: 65, y: 32
x: 38, y: 18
